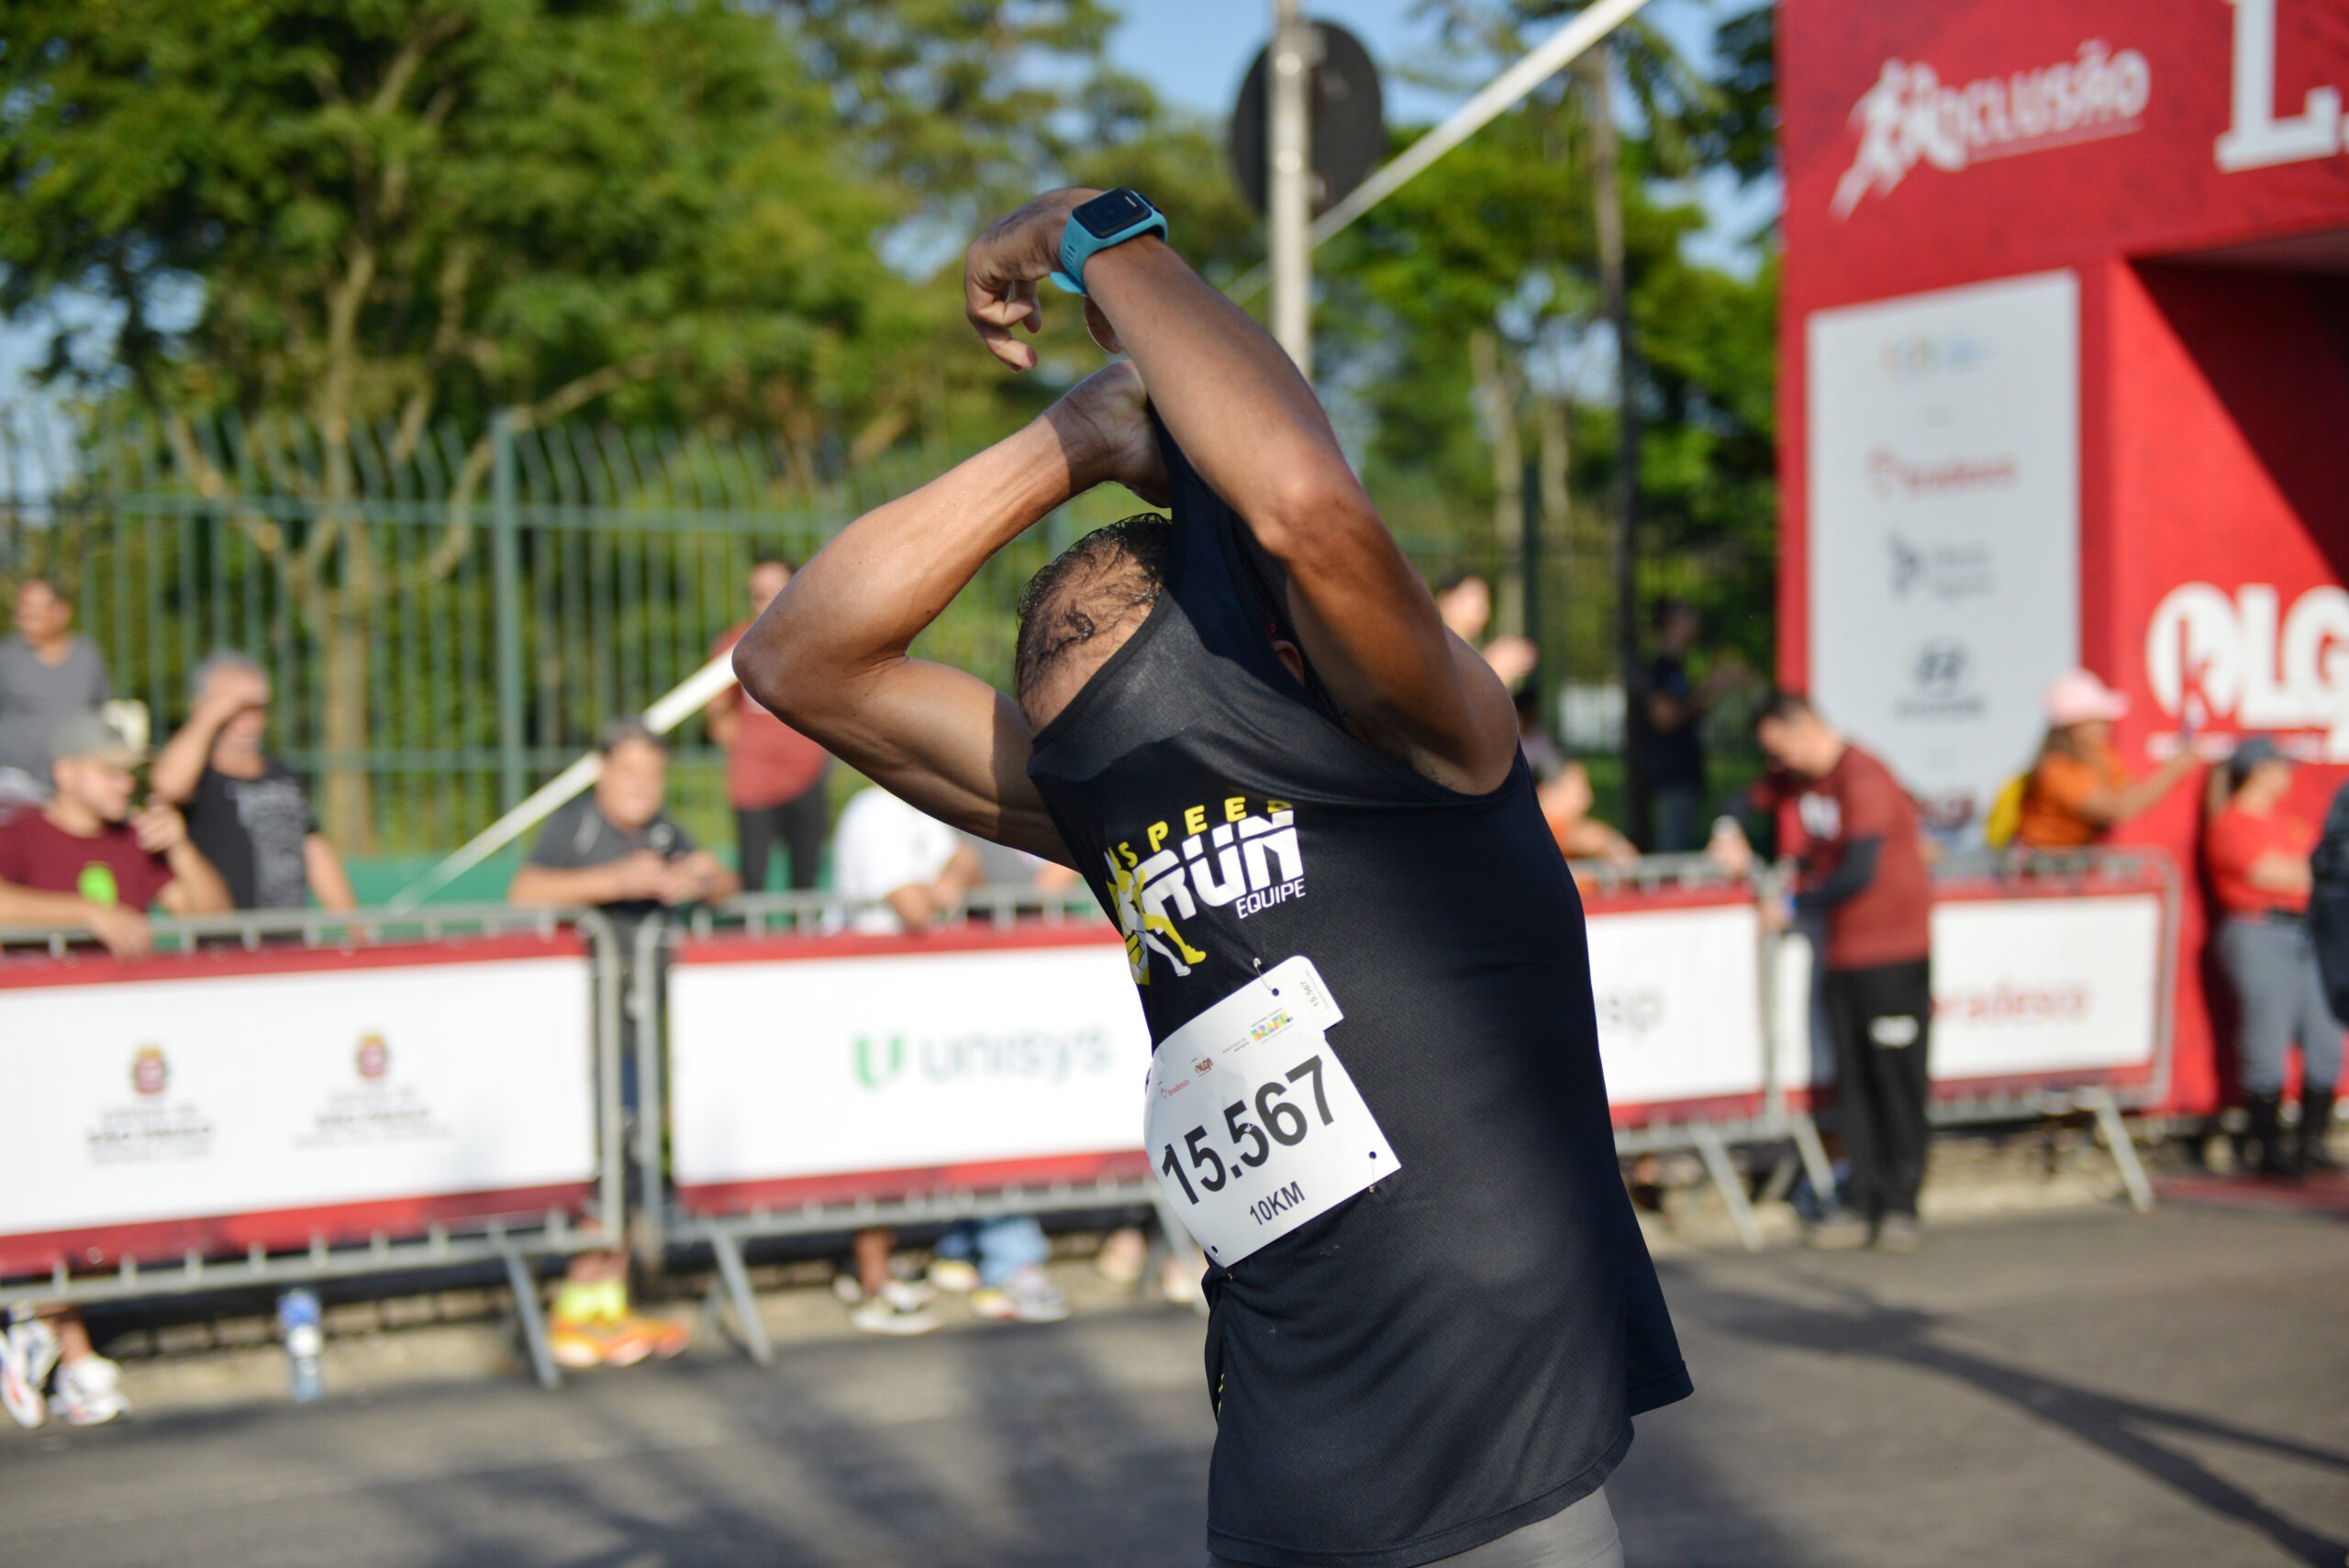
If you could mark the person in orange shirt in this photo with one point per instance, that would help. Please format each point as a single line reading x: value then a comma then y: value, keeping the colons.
x: 2079, y: 790
x: 1565, y: 797
x: 2257, y: 856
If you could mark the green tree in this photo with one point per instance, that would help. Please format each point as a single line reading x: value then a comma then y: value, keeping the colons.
x: 398, y: 212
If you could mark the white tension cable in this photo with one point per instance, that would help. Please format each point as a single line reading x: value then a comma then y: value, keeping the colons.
x: 688, y: 698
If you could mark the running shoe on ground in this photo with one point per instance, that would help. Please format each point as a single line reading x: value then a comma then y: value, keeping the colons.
x: 899, y: 1309
x: 1899, y: 1233
x: 88, y: 1392
x: 583, y: 1342
x: 1841, y: 1231
x: 668, y: 1336
x: 955, y: 1275
x: 27, y: 1352
x: 1026, y: 1297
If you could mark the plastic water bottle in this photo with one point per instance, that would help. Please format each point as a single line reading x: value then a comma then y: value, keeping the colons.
x: 298, y: 1319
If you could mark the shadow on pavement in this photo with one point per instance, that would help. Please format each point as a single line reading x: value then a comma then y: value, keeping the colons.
x: 2127, y: 1430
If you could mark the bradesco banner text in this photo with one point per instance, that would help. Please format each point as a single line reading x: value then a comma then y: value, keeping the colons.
x: 813, y: 1066
x: 141, y: 1101
x: 1678, y: 994
x: 2062, y: 989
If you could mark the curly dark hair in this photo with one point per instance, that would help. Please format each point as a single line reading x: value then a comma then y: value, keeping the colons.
x: 1092, y: 587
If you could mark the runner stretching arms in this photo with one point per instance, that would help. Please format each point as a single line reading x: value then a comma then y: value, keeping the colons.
x: 1376, y: 1090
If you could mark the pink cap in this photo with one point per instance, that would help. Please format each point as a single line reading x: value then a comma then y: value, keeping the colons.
x: 2077, y: 696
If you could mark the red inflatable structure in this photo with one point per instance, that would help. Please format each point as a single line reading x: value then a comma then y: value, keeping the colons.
x: 2066, y: 348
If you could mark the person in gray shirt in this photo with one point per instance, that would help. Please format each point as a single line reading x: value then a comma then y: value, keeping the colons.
x: 47, y: 674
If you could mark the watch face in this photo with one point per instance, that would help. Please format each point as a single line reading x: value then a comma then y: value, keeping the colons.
x: 1111, y: 212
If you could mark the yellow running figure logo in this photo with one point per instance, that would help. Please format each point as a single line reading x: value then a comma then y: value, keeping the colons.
x: 1248, y: 862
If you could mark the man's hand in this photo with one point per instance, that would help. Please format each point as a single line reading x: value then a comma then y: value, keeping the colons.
x: 1512, y: 659
x: 1104, y: 425
x: 639, y: 875
x: 1730, y: 849
x: 123, y: 932
x: 1002, y: 267
x: 160, y: 830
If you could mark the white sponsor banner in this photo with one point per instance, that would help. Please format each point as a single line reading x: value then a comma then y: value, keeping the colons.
x: 143, y: 1101
x: 805, y: 1067
x: 1679, y: 1000
x: 2022, y: 988
x: 2045, y: 985
x: 1944, y: 537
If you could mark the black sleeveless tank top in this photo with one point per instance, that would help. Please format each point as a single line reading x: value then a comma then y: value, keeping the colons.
x: 1457, y: 1350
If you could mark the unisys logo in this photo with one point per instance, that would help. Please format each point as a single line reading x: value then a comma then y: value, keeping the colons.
x: 1910, y: 118
x: 2212, y: 657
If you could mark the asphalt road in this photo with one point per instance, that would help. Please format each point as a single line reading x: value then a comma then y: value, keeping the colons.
x: 2086, y: 1388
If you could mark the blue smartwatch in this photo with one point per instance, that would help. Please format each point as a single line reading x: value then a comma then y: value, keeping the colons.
x: 1111, y: 218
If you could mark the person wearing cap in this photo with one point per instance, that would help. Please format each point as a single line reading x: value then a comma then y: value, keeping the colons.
x: 2256, y: 852
x: 2079, y: 789
x: 88, y: 861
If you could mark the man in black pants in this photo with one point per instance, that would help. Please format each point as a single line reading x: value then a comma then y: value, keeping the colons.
x: 1374, y: 1092
x: 1862, y: 866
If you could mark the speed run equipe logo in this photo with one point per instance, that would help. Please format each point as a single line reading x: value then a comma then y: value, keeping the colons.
x: 1247, y: 861
x: 1909, y: 117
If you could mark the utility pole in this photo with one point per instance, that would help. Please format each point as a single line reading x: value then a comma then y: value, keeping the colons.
x: 1288, y: 182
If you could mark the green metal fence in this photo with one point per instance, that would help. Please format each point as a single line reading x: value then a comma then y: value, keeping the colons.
x: 448, y: 616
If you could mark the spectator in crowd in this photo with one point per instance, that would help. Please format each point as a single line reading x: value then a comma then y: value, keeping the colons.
x: 2257, y: 854
x: 1000, y: 865
x: 87, y: 861
x: 1567, y: 797
x: 246, y: 810
x: 1860, y: 854
x: 1665, y: 713
x: 909, y: 871
x: 774, y: 776
x: 1464, y: 600
x: 617, y: 847
x: 46, y: 675
x: 2077, y: 790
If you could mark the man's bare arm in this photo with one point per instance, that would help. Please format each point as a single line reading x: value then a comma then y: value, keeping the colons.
x: 1247, y: 420
x: 829, y: 656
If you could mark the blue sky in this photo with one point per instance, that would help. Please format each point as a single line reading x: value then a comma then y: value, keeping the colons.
x: 1194, y: 52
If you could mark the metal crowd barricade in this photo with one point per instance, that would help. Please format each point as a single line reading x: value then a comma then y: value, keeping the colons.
x: 2061, y: 1005
x: 805, y: 933
x: 1705, y: 1112
x: 284, y: 1104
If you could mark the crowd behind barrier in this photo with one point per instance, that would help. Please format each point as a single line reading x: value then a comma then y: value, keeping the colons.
x: 279, y: 1098
x: 274, y: 1099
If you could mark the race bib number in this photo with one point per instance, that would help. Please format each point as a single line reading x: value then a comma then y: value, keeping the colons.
x: 1253, y: 1121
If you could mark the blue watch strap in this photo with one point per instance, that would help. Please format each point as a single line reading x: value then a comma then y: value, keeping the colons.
x: 1080, y: 245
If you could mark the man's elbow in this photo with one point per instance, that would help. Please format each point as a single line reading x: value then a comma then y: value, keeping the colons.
x: 774, y: 670
x: 1318, y: 506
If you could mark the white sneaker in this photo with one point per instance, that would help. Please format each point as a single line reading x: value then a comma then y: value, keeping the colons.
x: 956, y: 1276
x: 895, y: 1310
x: 27, y: 1352
x: 89, y: 1392
x: 1026, y: 1297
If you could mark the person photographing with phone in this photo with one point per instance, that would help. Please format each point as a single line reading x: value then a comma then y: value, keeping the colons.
x: 1375, y: 1092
